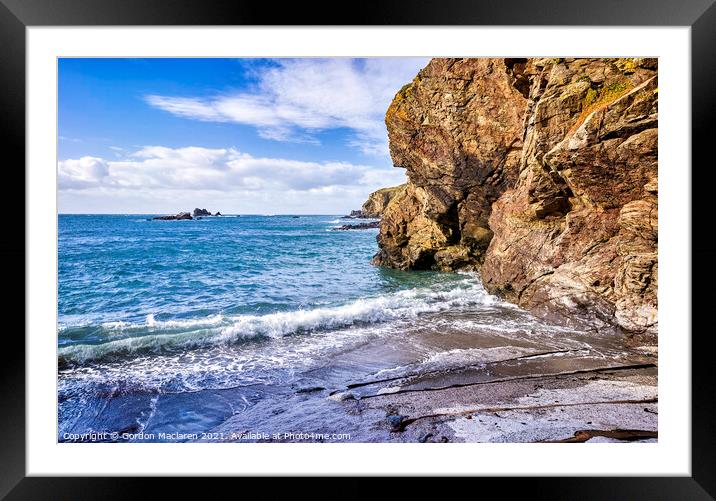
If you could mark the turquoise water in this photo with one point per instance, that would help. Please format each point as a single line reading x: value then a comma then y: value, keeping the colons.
x: 126, y: 282
x: 170, y: 307
x: 176, y: 326
x: 123, y: 268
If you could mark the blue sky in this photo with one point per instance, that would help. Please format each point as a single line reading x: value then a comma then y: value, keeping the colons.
x: 237, y: 135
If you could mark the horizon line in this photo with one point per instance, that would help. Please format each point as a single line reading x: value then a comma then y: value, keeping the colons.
x: 170, y: 213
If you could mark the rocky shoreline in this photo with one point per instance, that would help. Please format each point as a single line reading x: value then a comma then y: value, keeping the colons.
x: 539, y: 173
x: 613, y: 403
x: 552, y: 395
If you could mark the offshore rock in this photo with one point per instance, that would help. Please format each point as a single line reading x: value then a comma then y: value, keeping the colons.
x: 359, y: 226
x: 201, y: 212
x: 181, y: 215
x: 355, y: 214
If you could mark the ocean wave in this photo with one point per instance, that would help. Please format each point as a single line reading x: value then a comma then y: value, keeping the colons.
x: 168, y: 335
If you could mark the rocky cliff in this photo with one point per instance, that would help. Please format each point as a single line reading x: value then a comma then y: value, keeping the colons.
x: 542, y: 174
x: 378, y: 201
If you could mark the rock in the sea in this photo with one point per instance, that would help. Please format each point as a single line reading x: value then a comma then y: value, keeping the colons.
x: 359, y: 226
x: 542, y: 173
x: 201, y: 212
x: 217, y: 213
x: 181, y: 215
x: 355, y: 214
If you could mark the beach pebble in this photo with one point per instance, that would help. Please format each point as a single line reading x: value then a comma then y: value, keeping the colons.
x: 395, y: 421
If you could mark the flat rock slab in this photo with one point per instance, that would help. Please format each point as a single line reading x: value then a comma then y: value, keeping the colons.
x: 590, y: 406
x: 597, y: 406
x: 560, y: 391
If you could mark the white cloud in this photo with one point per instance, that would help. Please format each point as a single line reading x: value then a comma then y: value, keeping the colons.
x: 295, y: 98
x: 161, y: 179
x: 82, y: 173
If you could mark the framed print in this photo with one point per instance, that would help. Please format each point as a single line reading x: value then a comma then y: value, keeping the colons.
x: 427, y: 244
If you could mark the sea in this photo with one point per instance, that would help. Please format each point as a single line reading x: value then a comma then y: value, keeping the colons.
x: 167, y: 329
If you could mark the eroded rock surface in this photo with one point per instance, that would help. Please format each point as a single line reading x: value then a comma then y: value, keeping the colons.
x: 542, y: 173
x: 378, y: 201
x: 457, y: 130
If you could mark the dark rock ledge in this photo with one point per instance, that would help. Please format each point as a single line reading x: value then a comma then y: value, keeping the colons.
x: 359, y: 226
x: 176, y: 217
x: 198, y: 214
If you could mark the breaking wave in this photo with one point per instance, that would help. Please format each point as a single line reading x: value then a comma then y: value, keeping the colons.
x: 120, y: 339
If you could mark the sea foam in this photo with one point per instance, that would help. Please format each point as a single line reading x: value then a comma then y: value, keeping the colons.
x: 179, y: 334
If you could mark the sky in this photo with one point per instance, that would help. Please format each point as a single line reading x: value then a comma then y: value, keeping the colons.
x: 240, y: 136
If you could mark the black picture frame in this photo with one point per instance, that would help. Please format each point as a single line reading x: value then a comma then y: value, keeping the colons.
x: 700, y: 15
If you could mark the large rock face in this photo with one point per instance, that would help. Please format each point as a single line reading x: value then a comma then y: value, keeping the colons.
x: 457, y: 129
x: 542, y: 173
